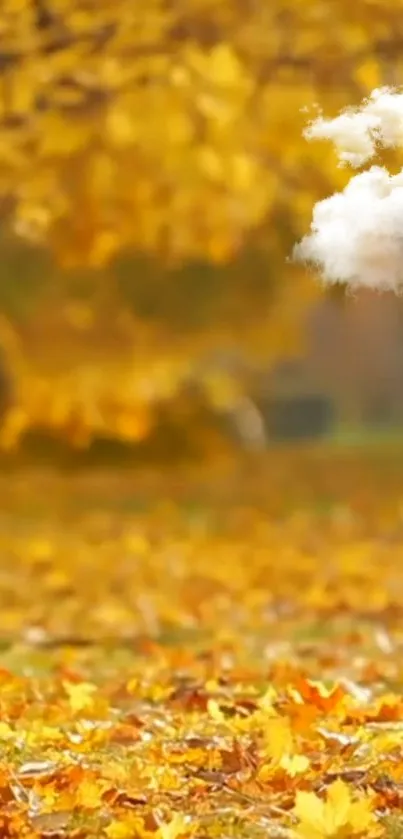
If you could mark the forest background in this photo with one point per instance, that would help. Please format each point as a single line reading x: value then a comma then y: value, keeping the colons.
x: 154, y: 178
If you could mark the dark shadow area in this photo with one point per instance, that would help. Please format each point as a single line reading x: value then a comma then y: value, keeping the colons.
x: 298, y: 417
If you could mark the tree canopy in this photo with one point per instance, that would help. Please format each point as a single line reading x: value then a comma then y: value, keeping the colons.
x: 171, y: 127
x: 173, y: 131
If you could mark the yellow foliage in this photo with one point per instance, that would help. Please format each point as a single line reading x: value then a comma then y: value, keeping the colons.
x: 174, y: 130
x: 339, y: 816
x: 278, y: 738
x: 168, y: 128
x: 81, y: 696
x: 206, y: 705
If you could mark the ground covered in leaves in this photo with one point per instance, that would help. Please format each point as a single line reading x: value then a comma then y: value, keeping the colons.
x: 208, y: 654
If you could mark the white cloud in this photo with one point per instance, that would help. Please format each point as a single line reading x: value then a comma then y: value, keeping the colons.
x: 356, y: 235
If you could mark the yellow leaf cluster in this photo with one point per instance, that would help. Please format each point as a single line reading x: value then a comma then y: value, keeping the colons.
x: 220, y: 694
x: 173, y: 129
x: 338, y: 816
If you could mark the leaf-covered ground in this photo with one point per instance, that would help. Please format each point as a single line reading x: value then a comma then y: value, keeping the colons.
x: 210, y: 654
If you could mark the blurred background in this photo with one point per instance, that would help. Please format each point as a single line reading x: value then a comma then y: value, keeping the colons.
x: 154, y: 178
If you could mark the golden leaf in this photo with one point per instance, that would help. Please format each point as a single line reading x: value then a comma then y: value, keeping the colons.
x: 81, y: 695
x: 178, y: 826
x: 278, y: 738
x: 338, y: 816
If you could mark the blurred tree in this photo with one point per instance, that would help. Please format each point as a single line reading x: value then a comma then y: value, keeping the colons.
x: 174, y: 130
x: 172, y: 127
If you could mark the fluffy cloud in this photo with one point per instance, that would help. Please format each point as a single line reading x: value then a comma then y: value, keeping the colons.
x: 356, y: 236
